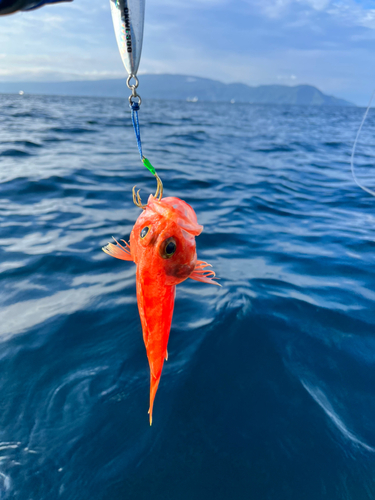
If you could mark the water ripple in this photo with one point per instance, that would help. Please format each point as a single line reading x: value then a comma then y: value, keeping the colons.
x: 251, y: 365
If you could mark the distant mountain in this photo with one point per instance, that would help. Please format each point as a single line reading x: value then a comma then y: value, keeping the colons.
x: 179, y: 87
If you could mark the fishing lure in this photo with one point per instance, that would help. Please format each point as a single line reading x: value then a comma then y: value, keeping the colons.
x: 162, y: 245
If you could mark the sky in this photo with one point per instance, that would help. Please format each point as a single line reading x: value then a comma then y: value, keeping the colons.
x: 326, y: 43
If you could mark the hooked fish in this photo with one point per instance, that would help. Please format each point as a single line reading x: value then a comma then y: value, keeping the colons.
x: 162, y: 245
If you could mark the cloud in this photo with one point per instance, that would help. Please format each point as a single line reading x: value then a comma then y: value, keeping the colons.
x: 317, y: 4
x: 347, y: 11
x: 196, y: 4
x: 287, y: 78
x: 351, y: 13
x: 327, y: 43
x: 276, y: 8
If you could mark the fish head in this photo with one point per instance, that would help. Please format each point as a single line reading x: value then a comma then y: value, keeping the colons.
x: 163, y: 239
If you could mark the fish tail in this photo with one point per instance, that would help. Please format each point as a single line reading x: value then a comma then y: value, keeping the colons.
x: 118, y: 251
x: 154, y: 384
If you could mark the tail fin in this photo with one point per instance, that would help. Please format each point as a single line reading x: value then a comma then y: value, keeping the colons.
x: 202, y: 274
x: 154, y: 384
x: 118, y: 250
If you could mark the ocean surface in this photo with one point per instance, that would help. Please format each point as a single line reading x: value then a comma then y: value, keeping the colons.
x: 269, y: 390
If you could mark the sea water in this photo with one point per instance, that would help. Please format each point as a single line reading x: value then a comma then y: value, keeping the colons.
x: 269, y: 390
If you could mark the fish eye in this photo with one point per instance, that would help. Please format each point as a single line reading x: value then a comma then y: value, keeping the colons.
x: 144, y: 232
x: 169, y: 247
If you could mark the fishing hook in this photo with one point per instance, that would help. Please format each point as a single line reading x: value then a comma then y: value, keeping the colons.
x: 159, y: 193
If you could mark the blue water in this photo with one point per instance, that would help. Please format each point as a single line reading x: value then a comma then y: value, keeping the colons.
x: 269, y: 390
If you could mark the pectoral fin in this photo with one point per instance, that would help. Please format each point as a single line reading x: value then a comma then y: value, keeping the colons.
x: 202, y: 274
x: 118, y: 251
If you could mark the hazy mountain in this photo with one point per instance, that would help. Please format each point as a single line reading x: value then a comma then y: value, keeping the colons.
x: 179, y: 87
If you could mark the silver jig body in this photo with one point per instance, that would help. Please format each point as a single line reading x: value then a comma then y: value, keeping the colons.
x: 128, y: 21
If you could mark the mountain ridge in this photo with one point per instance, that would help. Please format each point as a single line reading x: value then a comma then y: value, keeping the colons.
x: 182, y: 87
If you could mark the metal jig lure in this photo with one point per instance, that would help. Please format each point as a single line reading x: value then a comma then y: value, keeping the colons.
x: 128, y: 23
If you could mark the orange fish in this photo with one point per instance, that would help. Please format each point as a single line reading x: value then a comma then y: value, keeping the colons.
x: 162, y: 245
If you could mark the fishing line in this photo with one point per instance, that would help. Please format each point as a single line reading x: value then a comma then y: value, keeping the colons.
x: 134, y: 111
x: 128, y: 23
x: 134, y: 106
x: 355, y: 145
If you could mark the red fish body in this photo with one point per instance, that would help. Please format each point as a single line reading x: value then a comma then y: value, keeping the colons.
x: 162, y: 245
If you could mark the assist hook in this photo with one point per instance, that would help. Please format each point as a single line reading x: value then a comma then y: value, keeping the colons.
x: 134, y: 106
x: 159, y: 193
